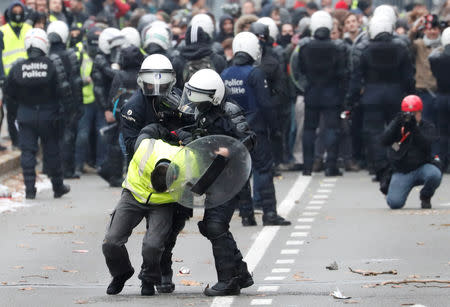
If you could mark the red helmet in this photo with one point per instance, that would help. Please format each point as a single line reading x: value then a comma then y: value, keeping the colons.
x: 412, y: 103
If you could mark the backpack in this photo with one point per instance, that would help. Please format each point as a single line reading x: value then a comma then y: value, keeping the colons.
x: 191, y: 67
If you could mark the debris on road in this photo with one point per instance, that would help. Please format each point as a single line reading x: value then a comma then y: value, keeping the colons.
x: 49, y: 268
x: 26, y: 289
x: 5, y: 192
x: 37, y: 276
x: 372, y: 273
x: 190, y: 283
x: 184, y: 270
x: 408, y: 281
x: 338, y: 295
x: 332, y: 266
x: 420, y: 243
x: 80, y: 251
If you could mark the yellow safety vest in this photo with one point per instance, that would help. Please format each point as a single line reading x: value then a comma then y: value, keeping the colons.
x: 52, y: 18
x: 138, y: 182
x: 14, y: 46
x: 85, y: 71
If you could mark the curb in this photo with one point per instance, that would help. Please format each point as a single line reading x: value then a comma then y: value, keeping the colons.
x: 9, y: 161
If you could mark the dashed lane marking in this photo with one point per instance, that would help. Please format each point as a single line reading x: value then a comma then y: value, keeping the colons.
x: 299, y: 234
x: 303, y: 227
x: 310, y: 213
x: 316, y: 202
x: 261, y: 301
x: 295, y: 242
x: 327, y: 180
x: 268, y: 288
x: 285, y: 261
x: 281, y: 270
x: 289, y: 251
x: 305, y: 220
x: 313, y: 207
x: 323, y: 191
x: 327, y: 185
x: 275, y: 278
x: 320, y: 196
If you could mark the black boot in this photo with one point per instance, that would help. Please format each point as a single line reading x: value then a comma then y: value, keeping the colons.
x: 30, y: 193
x: 317, y: 165
x: 166, y: 286
x: 425, y: 202
x: 147, y: 288
x: 351, y: 166
x: 273, y: 219
x: 118, y: 282
x: 248, y: 220
x: 224, y: 288
x: 61, y: 190
x: 245, y: 278
x: 115, y: 182
x: 332, y: 172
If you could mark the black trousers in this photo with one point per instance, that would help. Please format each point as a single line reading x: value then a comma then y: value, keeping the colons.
x: 126, y: 216
x: 443, y: 102
x: 43, y: 125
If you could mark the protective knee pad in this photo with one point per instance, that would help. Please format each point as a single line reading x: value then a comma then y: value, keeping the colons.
x: 212, y: 230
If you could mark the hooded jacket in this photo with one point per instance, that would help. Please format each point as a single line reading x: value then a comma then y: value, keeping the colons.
x: 222, y: 35
x: 243, y: 22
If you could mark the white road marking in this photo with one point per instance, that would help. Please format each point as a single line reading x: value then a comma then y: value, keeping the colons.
x: 265, y: 237
x: 323, y: 191
x: 320, y: 196
x: 303, y: 227
x: 261, y: 301
x: 327, y: 185
x: 273, y: 278
x: 268, y: 288
x: 310, y: 213
x: 289, y: 251
x: 281, y: 270
x: 285, y: 261
x: 327, y: 180
x: 295, y: 242
x: 299, y: 234
x: 305, y: 220
x: 313, y: 207
x: 316, y: 202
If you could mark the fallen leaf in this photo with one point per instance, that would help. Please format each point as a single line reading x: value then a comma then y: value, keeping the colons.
x: 78, y: 242
x: 49, y: 268
x: 177, y: 260
x: 190, y: 283
x: 80, y: 251
x: 38, y: 276
x: 445, y: 225
x: 26, y: 289
x: 70, y: 271
x: 23, y: 246
x: 18, y: 267
x: 372, y: 273
x: 4, y: 283
x: 420, y: 243
x: 333, y: 266
x: 297, y: 201
x: 322, y: 237
x: 78, y: 227
x: 397, y: 286
x: 81, y: 302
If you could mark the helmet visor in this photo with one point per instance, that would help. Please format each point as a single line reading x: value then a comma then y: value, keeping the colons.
x: 194, y: 98
x: 157, y: 82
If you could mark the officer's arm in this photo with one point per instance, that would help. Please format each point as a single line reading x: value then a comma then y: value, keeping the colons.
x: 258, y: 81
x: 344, y: 66
x: 152, y: 131
x: 9, y: 88
x: 131, y: 125
x: 77, y: 81
x: 97, y: 78
x: 356, y: 76
x: 116, y: 85
x: 408, y: 72
x: 241, y: 128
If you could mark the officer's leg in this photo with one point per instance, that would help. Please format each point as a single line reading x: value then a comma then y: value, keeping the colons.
x: 125, y: 217
x: 245, y: 203
x: 319, y: 146
x: 85, y: 125
x: 312, y: 116
x: 356, y: 135
x: 11, y: 115
x: 262, y: 159
x: 215, y: 226
x: 444, y: 128
x: 28, y: 138
x: 68, y: 146
x: 399, y: 188
x: 100, y: 122
x: 331, y: 119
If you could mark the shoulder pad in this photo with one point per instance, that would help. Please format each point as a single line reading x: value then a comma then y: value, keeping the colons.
x: 436, y: 52
x: 401, y: 40
x: 304, y: 41
x: 231, y: 108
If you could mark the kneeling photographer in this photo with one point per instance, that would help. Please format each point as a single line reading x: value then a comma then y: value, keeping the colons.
x: 409, y: 139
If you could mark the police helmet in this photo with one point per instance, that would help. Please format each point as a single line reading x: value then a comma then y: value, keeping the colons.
x: 260, y: 30
x: 204, y: 89
x: 248, y: 43
x: 379, y: 24
x: 445, y: 37
x: 157, y: 35
x: 132, y: 36
x: 273, y: 29
x: 156, y: 77
x: 110, y: 38
x: 58, y: 31
x: 37, y: 38
x: 319, y: 20
x: 387, y: 11
x: 205, y: 22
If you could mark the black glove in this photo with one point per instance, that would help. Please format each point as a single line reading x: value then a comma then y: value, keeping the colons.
x: 184, y: 137
x: 409, y: 122
x: 155, y: 131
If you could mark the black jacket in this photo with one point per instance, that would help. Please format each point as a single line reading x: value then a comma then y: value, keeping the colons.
x: 415, y: 151
x: 440, y: 66
x: 102, y: 76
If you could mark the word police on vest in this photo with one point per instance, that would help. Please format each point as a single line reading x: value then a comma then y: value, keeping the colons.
x: 235, y: 86
x: 34, y: 70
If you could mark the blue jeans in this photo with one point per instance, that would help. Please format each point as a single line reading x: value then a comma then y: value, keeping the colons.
x: 93, y: 118
x: 401, y: 184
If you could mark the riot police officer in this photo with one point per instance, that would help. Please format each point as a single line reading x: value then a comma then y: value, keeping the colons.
x: 383, y: 68
x: 39, y: 104
x: 215, y: 114
x: 440, y: 65
x: 249, y: 89
x: 324, y: 70
x: 66, y: 60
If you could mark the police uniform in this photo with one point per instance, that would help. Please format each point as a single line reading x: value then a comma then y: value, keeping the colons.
x: 27, y: 86
x: 440, y: 65
x: 323, y: 67
x: 140, y: 200
x: 383, y: 69
x: 249, y: 89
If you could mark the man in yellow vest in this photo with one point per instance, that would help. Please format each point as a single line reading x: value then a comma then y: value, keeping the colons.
x: 12, y: 35
x: 144, y: 195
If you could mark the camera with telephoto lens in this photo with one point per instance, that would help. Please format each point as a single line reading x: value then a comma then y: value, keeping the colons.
x: 407, y: 116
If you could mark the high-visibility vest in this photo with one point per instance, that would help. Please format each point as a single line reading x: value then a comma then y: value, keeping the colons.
x: 14, y: 47
x: 85, y: 72
x: 52, y: 18
x: 138, y: 182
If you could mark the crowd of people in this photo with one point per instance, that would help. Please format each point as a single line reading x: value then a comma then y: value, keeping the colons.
x: 120, y: 85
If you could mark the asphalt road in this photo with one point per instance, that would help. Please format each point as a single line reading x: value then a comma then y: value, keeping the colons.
x: 51, y: 249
